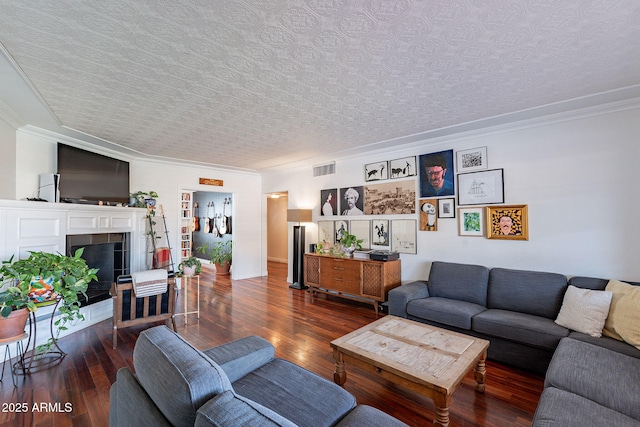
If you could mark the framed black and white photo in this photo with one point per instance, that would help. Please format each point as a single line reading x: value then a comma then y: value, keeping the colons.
x: 362, y: 230
x: 325, y: 232
x: 481, y: 188
x: 376, y: 171
x: 393, y: 197
x: 340, y: 227
x: 403, y: 236
x: 472, y: 160
x: 447, y: 208
x: 403, y: 168
x: 380, y: 233
x: 351, y: 201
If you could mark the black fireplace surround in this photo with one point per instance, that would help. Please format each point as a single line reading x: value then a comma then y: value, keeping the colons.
x: 109, y: 253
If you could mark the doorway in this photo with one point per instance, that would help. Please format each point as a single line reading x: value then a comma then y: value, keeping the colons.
x: 277, y: 229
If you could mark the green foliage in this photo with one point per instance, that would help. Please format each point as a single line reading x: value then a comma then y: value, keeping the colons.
x: 190, y: 262
x: 472, y: 221
x: 350, y: 240
x: 218, y: 252
x: 70, y: 277
x: 140, y: 197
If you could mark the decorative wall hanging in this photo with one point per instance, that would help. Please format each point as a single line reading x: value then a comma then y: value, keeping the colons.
x: 446, y: 208
x: 403, y: 168
x: 429, y: 215
x: 480, y: 188
x: 508, y: 222
x: 325, y: 232
x: 437, y: 173
x: 470, y: 222
x: 340, y: 227
x: 351, y: 201
x: 380, y: 232
x: 396, y: 197
x: 376, y: 171
x: 403, y: 236
x: 472, y: 160
x: 329, y: 202
x: 362, y: 230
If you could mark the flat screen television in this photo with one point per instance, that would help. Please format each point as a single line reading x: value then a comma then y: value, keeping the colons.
x: 87, y: 177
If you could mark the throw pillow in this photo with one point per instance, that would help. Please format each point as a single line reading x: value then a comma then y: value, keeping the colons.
x: 623, y: 322
x: 584, y: 310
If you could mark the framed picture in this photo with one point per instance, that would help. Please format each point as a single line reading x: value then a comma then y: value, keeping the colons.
x: 325, y: 232
x: 403, y: 168
x: 376, y: 171
x: 386, y: 198
x: 447, y: 208
x: 329, y: 202
x: 380, y: 232
x: 481, y: 188
x: 470, y: 222
x: 362, y: 230
x: 340, y: 227
x: 471, y: 160
x: 428, y: 214
x: 437, y: 173
x: 403, y: 236
x: 351, y: 201
x: 508, y: 222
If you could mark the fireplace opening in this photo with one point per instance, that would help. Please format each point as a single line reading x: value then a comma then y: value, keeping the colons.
x: 108, y: 252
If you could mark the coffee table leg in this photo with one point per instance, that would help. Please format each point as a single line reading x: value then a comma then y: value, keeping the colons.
x: 480, y: 373
x: 441, y: 418
x: 339, y: 374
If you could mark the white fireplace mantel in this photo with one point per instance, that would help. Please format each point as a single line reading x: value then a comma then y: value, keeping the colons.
x: 41, y: 226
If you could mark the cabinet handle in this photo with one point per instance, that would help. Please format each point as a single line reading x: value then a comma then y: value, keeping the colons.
x: 338, y: 268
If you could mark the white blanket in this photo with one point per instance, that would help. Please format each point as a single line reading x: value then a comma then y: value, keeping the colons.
x: 149, y: 282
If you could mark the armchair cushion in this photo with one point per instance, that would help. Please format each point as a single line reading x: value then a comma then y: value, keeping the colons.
x: 178, y: 377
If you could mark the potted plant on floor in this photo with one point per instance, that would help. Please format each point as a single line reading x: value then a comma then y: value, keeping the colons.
x: 220, y: 254
x: 15, y: 306
x: 190, y: 266
x: 46, y: 278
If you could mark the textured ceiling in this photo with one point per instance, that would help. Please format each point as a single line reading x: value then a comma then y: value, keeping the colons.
x: 256, y: 84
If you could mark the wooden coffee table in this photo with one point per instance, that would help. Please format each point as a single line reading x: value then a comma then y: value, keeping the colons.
x: 426, y: 359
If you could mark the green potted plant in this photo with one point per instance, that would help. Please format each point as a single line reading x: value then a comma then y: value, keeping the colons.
x: 50, y: 275
x: 142, y: 199
x: 220, y: 254
x: 15, y: 306
x: 349, y: 243
x: 190, y: 266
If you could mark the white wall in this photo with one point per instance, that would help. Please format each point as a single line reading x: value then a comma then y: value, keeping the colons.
x: 577, y: 173
x: 7, y: 160
x: 36, y: 154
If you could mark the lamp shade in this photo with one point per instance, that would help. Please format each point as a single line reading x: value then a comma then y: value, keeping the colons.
x: 298, y: 215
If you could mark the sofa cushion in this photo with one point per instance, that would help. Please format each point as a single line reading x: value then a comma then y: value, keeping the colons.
x: 242, y: 356
x: 523, y: 291
x: 588, y: 283
x: 445, y: 311
x: 623, y: 322
x: 464, y: 282
x: 559, y: 408
x: 300, y: 396
x: 607, y: 342
x: 584, y: 310
x: 608, y: 378
x: 230, y: 410
x: 178, y: 378
x: 367, y: 416
x: 524, y: 328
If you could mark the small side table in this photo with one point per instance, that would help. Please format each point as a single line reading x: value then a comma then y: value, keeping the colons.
x: 186, y: 296
x: 20, y: 353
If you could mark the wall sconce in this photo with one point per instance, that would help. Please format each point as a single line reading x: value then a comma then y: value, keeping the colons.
x: 299, y: 216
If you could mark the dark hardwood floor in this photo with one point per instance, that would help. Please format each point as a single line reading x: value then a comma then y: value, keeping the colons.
x: 76, y: 392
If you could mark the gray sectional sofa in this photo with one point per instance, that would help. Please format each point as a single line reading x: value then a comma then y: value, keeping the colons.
x: 236, y: 384
x: 589, y: 381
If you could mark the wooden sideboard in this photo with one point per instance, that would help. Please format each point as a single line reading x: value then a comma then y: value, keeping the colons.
x: 357, y: 279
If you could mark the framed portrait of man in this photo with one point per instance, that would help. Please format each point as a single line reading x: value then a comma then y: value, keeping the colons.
x: 507, y: 222
x: 437, y: 172
x: 351, y: 201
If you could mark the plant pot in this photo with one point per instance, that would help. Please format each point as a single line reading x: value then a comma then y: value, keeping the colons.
x: 44, y: 293
x: 13, y: 326
x: 223, y: 268
x: 189, y: 271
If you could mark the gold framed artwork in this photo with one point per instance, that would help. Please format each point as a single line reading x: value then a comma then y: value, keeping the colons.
x: 508, y: 222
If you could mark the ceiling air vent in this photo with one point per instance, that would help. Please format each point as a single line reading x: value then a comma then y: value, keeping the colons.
x: 327, y: 169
